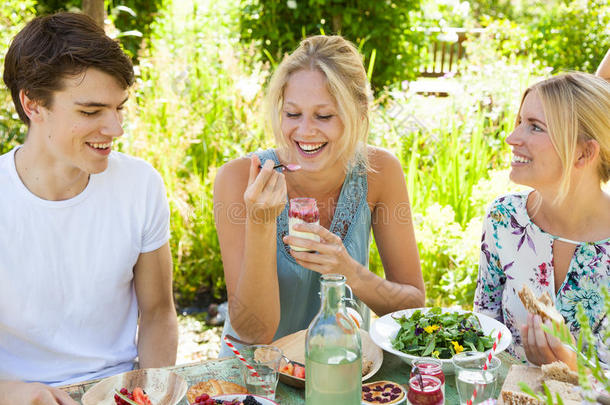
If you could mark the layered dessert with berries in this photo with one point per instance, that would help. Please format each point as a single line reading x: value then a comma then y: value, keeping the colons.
x: 382, y: 392
x: 303, y: 211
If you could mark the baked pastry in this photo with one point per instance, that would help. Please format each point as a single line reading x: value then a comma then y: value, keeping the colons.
x: 213, y: 388
x: 559, y: 371
x: 569, y: 393
x: 382, y: 392
x: 366, y: 365
x: 518, y: 398
x: 542, y: 306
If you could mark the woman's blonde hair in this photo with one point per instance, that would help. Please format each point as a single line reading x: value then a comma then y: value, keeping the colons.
x: 341, y: 64
x: 577, y: 109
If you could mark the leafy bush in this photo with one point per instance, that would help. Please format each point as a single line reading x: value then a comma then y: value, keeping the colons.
x: 132, y: 18
x: 570, y: 35
x: 383, y: 30
x: 13, y: 16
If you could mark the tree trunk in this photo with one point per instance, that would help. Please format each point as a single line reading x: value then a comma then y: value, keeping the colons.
x: 95, y: 10
x: 337, y: 23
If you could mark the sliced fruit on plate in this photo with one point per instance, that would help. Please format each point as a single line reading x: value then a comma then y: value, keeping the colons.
x: 299, y: 371
x: 287, y: 369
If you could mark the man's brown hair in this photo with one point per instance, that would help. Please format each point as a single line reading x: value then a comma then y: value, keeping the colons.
x: 49, y: 48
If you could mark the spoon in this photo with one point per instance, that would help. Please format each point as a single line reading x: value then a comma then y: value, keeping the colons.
x: 290, y: 167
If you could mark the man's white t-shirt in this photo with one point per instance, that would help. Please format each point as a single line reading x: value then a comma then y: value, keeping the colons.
x: 68, y: 310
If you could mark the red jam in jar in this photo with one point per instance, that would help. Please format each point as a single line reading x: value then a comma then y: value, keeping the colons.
x: 428, y: 393
x: 432, y: 367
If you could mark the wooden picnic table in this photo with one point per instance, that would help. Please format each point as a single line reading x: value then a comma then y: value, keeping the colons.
x: 392, y: 369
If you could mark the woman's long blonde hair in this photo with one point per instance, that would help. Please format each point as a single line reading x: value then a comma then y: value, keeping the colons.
x: 577, y: 109
x: 341, y: 64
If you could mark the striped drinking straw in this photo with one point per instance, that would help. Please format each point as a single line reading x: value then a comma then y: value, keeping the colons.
x: 248, y: 366
x: 485, y: 366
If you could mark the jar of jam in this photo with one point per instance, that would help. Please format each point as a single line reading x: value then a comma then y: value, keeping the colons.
x: 430, y: 366
x: 425, y: 390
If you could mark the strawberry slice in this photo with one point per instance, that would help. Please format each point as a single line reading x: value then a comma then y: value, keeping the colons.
x: 140, y: 397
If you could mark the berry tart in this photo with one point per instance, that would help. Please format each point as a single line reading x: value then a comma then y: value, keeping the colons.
x: 382, y: 392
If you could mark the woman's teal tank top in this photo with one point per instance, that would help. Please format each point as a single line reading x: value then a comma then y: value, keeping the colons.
x: 299, y: 287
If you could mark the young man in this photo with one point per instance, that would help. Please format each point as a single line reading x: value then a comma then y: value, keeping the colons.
x: 84, y: 231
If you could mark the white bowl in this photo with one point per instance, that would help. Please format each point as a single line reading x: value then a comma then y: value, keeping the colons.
x: 384, y: 330
x: 162, y: 386
x: 241, y: 397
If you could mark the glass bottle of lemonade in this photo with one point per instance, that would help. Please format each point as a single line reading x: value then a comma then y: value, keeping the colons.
x: 333, y: 353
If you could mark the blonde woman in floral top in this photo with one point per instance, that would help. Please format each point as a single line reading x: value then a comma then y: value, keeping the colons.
x: 555, y: 238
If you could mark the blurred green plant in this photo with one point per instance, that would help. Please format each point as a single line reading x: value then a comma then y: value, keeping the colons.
x: 190, y: 119
x: 384, y: 31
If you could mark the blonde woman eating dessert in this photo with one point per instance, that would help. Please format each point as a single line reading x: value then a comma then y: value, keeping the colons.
x: 318, y: 103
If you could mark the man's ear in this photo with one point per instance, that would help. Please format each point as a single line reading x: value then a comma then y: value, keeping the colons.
x: 32, y: 108
x: 586, y: 153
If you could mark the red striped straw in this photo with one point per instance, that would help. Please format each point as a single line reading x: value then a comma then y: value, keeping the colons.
x: 485, y: 366
x: 248, y: 366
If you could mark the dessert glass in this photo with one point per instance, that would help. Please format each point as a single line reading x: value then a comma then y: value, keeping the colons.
x: 428, y: 393
x: 430, y: 366
x: 303, y: 210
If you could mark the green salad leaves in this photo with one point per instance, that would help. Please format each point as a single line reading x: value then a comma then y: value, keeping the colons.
x: 441, y: 335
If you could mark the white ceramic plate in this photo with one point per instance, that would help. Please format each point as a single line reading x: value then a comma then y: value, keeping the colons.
x: 385, y: 329
x: 241, y: 397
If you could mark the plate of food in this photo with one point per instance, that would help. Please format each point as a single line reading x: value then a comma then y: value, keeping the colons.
x: 292, y: 370
x: 202, y: 391
x: 242, y: 399
x: 146, y: 386
x: 437, y: 332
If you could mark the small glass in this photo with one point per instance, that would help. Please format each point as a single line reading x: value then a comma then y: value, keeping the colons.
x: 469, y: 374
x: 266, y: 361
x: 425, y: 390
x: 430, y: 366
x: 303, y: 210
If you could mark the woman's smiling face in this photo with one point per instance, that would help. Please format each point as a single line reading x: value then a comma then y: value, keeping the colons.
x: 310, y: 121
x: 535, y: 160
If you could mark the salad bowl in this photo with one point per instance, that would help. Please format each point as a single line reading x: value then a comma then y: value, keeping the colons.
x: 384, y: 330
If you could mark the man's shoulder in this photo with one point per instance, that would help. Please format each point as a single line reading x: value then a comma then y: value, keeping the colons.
x: 6, y: 165
x: 6, y: 158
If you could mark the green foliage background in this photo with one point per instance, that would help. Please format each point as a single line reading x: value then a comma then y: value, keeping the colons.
x: 384, y: 31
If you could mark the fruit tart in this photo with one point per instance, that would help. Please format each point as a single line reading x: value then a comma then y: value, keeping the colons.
x: 382, y: 392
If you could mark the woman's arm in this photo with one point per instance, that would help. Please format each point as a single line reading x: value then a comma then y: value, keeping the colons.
x: 247, y: 201
x: 603, y: 70
x: 393, y: 230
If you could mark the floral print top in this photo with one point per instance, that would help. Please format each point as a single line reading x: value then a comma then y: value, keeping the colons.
x: 515, y: 251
